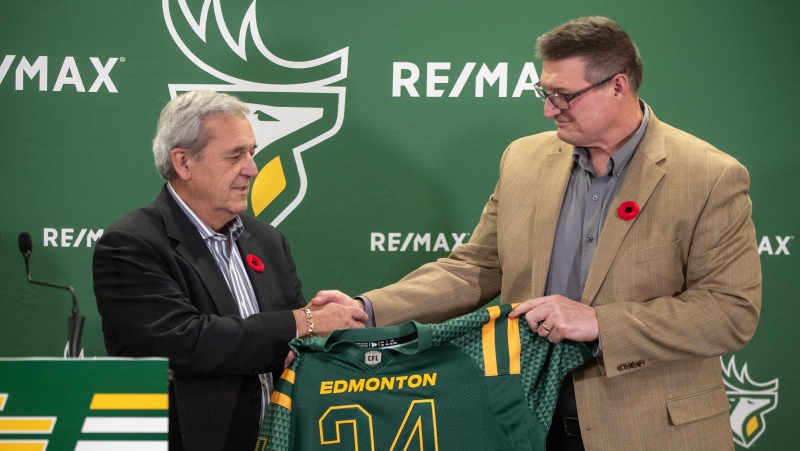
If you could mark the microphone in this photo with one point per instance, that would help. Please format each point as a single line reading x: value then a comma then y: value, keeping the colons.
x: 74, y: 322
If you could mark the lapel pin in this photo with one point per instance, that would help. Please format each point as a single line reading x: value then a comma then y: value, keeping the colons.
x: 255, y: 263
x: 628, y: 210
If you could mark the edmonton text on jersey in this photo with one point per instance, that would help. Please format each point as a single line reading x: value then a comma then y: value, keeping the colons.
x: 375, y: 384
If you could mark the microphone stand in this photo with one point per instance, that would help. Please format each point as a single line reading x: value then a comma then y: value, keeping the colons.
x: 74, y: 322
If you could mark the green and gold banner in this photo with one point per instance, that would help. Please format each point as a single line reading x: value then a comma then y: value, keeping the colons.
x: 380, y: 127
x: 83, y: 405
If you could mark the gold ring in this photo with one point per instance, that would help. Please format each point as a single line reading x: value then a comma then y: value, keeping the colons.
x: 545, y: 327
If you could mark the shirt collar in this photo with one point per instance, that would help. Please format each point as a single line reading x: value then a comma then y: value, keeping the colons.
x: 233, y: 228
x: 621, y: 157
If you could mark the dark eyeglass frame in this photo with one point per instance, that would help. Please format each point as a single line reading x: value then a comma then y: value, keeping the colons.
x: 567, y: 98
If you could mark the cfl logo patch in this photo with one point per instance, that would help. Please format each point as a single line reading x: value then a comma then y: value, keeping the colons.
x: 372, y: 358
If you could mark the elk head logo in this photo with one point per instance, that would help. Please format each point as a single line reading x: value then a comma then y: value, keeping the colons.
x: 294, y: 105
x: 750, y: 402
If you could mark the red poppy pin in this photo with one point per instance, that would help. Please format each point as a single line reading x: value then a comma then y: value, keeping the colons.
x: 628, y: 210
x: 255, y: 263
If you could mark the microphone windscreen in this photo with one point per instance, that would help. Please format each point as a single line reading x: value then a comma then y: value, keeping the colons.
x: 25, y: 244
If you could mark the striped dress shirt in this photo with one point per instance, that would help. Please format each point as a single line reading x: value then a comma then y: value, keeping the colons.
x: 226, y: 254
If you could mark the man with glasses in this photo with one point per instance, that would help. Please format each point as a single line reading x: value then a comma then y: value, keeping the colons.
x: 616, y: 230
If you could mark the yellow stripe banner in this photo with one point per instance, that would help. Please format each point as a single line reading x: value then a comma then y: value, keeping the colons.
x: 27, y: 425
x: 130, y: 401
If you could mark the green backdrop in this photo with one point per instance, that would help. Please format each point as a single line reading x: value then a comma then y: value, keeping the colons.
x: 388, y: 119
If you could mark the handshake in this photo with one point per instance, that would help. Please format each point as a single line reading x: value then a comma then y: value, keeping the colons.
x: 330, y: 310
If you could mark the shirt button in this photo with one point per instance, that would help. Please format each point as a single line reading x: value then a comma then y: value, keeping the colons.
x: 594, y: 197
x: 589, y: 239
x: 616, y: 175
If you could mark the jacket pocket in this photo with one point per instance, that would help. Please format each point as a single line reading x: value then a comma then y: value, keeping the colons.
x: 696, y: 407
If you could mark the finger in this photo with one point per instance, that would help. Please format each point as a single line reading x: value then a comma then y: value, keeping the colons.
x: 360, y: 315
x: 289, y: 359
x: 326, y: 296
x: 523, y: 308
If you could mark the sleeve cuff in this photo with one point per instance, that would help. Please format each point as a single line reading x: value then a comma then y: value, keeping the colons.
x: 368, y: 309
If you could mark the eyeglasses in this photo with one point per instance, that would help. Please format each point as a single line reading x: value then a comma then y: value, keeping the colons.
x: 561, y: 101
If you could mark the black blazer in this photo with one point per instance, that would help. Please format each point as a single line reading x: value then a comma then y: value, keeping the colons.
x: 160, y: 293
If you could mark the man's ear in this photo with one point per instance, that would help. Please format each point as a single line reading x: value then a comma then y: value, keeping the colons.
x: 180, y: 163
x: 621, y: 84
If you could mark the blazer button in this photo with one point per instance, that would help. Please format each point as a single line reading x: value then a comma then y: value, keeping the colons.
x: 256, y: 370
x: 640, y: 363
x: 254, y: 401
x: 620, y: 367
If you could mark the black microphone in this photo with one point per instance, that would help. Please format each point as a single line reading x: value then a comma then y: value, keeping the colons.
x: 74, y: 322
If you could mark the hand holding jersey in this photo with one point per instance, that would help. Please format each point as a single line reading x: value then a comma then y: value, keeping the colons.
x: 559, y: 318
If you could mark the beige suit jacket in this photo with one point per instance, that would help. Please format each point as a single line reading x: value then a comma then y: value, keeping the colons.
x: 674, y: 288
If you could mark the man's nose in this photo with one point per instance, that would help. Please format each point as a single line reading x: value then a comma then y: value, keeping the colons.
x: 249, y: 169
x: 550, y: 110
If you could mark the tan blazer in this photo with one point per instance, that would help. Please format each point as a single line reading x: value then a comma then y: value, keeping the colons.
x: 674, y: 288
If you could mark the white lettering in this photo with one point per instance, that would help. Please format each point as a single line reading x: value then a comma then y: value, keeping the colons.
x: 405, y: 75
x: 66, y: 237
x: 50, y: 236
x: 69, y: 75
x: 765, y: 246
x: 93, y: 236
x: 782, y: 245
x: 394, y: 240
x: 406, y: 242
x: 5, y: 66
x: 462, y: 79
x: 434, y: 79
x: 39, y: 67
x: 458, y: 239
x: 398, y: 82
x: 103, y: 74
x: 88, y: 236
x: 420, y: 240
x: 80, y: 237
x: 527, y: 78
x: 402, y: 242
x: 499, y: 74
x: 376, y: 241
x: 441, y: 242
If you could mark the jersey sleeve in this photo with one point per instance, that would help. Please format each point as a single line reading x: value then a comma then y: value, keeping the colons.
x: 276, y: 432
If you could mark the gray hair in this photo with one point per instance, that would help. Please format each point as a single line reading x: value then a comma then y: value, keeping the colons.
x: 181, y: 125
x: 604, y: 45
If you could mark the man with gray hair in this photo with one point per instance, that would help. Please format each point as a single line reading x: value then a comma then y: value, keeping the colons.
x: 192, y: 279
x: 618, y: 231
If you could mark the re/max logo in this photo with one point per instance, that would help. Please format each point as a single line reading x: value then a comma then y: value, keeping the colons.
x: 68, y: 75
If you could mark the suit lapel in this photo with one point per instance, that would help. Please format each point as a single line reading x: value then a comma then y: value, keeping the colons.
x: 190, y: 246
x: 549, y: 193
x: 263, y: 283
x: 641, y: 179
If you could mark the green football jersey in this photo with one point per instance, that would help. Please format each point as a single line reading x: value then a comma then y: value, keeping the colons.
x: 479, y: 382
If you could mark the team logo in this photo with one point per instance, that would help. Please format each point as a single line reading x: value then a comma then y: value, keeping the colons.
x: 294, y: 105
x: 750, y: 402
x: 372, y: 357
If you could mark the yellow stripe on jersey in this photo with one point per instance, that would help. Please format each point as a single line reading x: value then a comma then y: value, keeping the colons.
x: 513, y: 346
x: 281, y: 400
x: 288, y: 375
x: 489, y: 347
